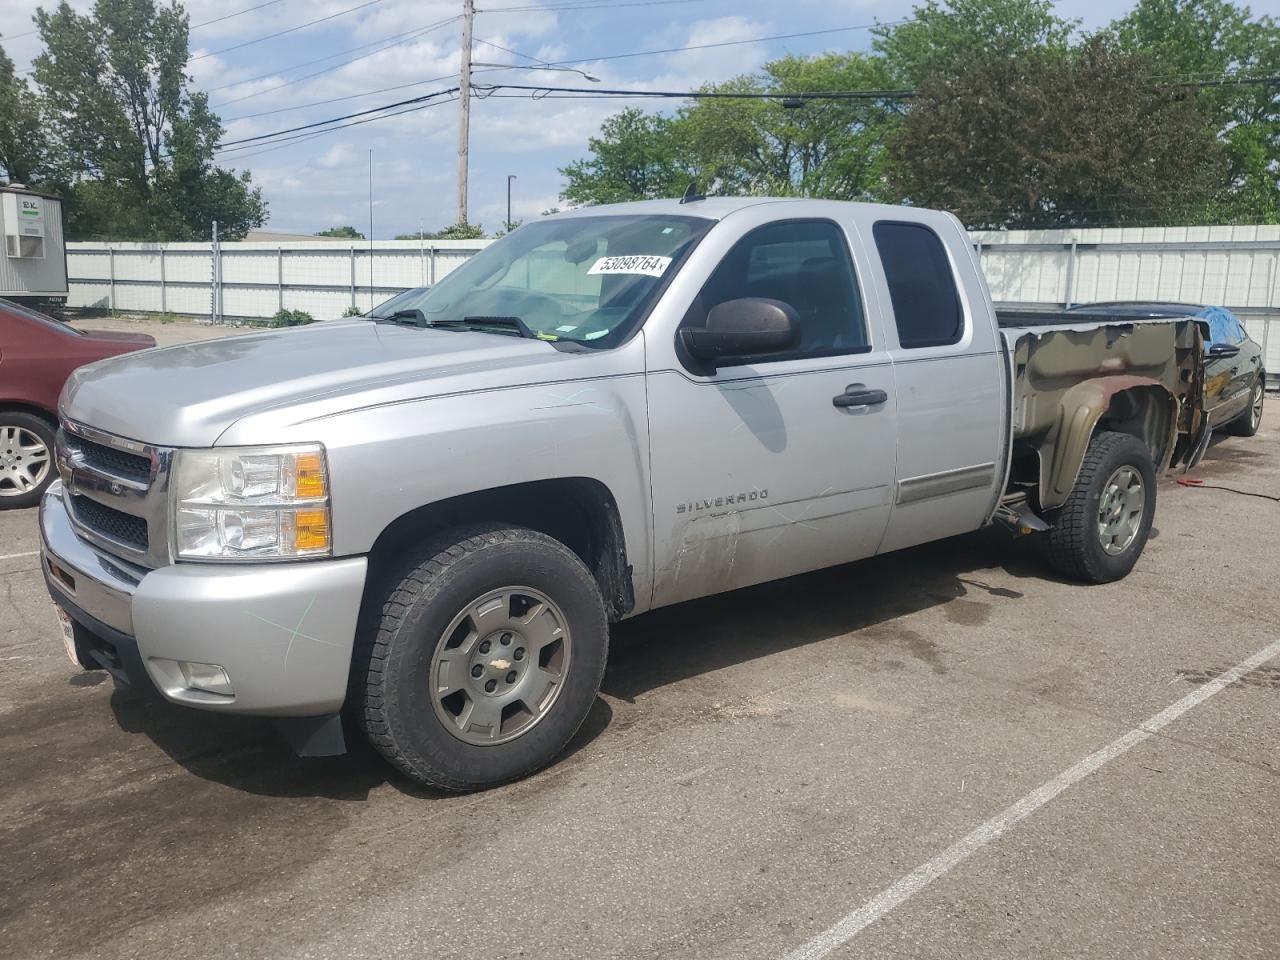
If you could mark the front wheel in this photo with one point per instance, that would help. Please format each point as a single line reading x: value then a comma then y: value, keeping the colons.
x: 1100, y: 531
x: 1247, y: 424
x: 483, y: 660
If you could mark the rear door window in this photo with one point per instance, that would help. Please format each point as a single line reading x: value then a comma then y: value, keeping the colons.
x: 922, y: 288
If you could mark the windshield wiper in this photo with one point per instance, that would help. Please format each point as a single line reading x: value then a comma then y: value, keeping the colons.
x: 505, y: 326
x: 488, y: 324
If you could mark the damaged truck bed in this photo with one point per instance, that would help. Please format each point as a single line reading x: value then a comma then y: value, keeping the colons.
x: 1072, y: 374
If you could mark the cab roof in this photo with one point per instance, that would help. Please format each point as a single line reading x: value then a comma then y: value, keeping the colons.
x: 717, y: 208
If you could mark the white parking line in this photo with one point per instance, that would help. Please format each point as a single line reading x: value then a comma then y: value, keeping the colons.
x: 15, y: 556
x: 851, y: 924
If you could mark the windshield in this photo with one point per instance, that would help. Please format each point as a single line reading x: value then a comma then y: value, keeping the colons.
x: 407, y: 300
x: 581, y: 279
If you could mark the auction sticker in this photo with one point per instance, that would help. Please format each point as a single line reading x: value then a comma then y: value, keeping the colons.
x: 643, y: 265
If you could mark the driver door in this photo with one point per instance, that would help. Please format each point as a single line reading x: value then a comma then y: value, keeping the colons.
x: 759, y: 471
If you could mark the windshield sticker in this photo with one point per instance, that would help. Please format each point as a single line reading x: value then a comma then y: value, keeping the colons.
x: 642, y: 265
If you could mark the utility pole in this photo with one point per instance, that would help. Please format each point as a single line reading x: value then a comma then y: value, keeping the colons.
x: 510, y: 177
x: 372, y: 299
x: 464, y: 107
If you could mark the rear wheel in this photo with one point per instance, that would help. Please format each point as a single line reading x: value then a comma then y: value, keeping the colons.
x: 483, y: 660
x: 1101, y: 530
x: 26, y: 458
x: 1247, y: 424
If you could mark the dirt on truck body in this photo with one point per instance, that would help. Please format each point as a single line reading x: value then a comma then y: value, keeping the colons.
x: 1074, y: 377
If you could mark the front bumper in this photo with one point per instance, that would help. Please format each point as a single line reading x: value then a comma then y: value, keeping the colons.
x: 282, y: 632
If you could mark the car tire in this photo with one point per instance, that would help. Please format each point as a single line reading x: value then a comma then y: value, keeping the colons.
x: 482, y: 658
x: 1101, y: 530
x: 1247, y: 424
x: 24, y: 436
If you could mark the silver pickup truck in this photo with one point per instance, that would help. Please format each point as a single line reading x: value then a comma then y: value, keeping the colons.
x: 425, y: 524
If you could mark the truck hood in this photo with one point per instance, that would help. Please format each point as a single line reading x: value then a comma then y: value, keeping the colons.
x: 188, y: 395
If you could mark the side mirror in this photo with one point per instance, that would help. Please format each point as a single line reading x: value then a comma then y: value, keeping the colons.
x: 1221, y: 351
x: 743, y: 328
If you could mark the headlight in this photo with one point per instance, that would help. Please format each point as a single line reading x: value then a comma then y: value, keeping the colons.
x: 252, y: 503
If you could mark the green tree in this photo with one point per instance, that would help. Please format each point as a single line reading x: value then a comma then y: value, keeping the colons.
x: 819, y: 148
x: 24, y: 149
x: 1051, y: 139
x: 346, y: 232
x: 637, y: 156
x: 1203, y: 40
x: 809, y: 148
x: 135, y: 146
x: 458, y: 231
x: 947, y: 37
x: 461, y: 231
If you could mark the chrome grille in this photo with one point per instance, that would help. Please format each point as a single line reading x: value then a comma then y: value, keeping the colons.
x: 129, y: 465
x: 118, y: 492
x: 124, y: 528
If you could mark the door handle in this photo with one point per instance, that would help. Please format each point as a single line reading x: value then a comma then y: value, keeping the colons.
x: 856, y: 395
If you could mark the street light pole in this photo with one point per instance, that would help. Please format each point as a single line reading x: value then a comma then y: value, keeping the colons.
x: 510, y: 177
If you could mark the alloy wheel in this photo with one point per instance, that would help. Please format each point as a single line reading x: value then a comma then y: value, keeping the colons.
x: 24, y: 461
x: 500, y: 665
x: 1120, y: 510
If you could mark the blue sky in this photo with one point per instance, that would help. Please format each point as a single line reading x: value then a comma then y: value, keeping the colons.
x: 315, y: 183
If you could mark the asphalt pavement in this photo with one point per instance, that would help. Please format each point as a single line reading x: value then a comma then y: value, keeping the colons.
x: 946, y: 752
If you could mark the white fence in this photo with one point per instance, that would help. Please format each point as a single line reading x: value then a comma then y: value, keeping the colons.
x: 321, y: 277
x: 1235, y: 267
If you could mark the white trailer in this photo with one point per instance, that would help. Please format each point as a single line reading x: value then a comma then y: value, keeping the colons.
x: 33, y: 259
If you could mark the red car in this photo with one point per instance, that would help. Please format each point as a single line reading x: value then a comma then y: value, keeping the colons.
x: 37, y: 354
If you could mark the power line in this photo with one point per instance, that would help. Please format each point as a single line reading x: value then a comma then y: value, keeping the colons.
x: 281, y: 33
x: 732, y: 43
x: 351, y: 96
x: 354, y: 123
x: 305, y: 137
x: 390, y: 41
x: 707, y: 94
x: 551, y: 63
x: 380, y: 112
x: 588, y: 5
x: 514, y: 53
x: 487, y: 90
x: 231, y: 16
x: 321, y: 123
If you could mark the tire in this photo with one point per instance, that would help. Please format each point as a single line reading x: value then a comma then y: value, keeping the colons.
x: 23, y: 437
x: 462, y: 589
x: 1247, y: 424
x: 1077, y: 545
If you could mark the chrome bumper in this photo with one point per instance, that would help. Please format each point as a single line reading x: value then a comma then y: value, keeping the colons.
x: 282, y: 632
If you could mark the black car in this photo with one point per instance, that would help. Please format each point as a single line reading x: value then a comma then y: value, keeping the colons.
x: 1234, y: 379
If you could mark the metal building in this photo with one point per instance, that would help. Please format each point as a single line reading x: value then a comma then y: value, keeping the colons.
x: 33, y: 259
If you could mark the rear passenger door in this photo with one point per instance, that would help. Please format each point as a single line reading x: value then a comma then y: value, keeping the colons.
x: 951, y: 379
x: 757, y: 471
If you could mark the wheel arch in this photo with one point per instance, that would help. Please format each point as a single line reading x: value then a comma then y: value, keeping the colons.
x: 580, y: 512
x: 21, y: 406
x: 1139, y: 406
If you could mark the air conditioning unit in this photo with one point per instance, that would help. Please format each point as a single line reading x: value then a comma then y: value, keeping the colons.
x: 23, y: 218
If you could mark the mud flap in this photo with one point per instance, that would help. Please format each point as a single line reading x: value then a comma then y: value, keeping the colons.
x: 314, y: 736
